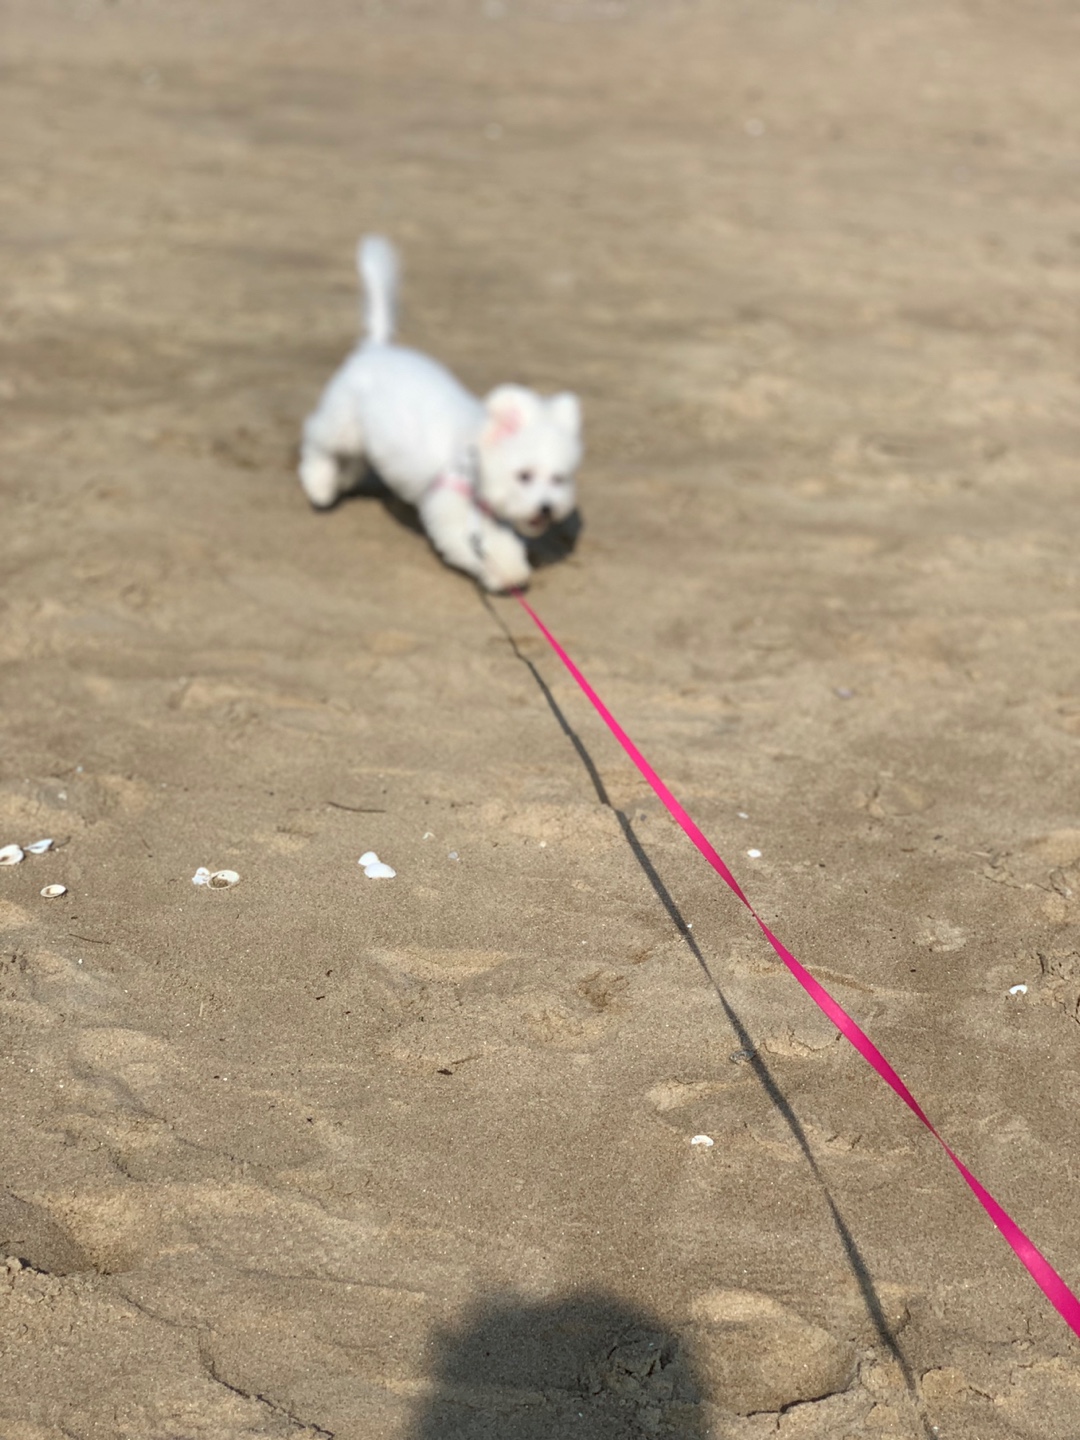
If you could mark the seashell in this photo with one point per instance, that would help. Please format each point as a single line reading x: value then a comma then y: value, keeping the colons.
x: 754, y: 854
x: 379, y: 871
x: 53, y: 892
x: 11, y: 855
x: 201, y: 876
x: 223, y: 880
x: 1018, y: 990
x: 706, y: 1142
x: 39, y: 847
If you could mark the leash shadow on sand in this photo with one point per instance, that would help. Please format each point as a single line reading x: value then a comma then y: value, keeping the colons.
x: 855, y: 1261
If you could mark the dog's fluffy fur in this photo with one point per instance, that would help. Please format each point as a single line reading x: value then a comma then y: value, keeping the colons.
x: 482, y: 474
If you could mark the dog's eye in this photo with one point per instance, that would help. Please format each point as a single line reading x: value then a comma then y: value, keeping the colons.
x: 525, y: 476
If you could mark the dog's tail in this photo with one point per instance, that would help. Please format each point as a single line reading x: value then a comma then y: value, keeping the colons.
x: 377, y: 262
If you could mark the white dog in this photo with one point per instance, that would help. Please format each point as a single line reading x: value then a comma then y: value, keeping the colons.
x: 481, y: 474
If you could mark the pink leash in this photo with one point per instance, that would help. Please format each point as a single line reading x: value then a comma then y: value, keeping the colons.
x: 1036, y: 1264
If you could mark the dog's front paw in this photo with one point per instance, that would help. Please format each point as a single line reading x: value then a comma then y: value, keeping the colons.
x: 500, y: 581
x: 505, y: 566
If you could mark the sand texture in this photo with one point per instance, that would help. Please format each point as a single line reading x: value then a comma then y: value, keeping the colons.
x: 319, y: 1155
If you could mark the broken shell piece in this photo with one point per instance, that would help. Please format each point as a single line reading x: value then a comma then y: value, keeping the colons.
x: 11, y: 855
x: 374, y: 869
x: 705, y: 1141
x: 39, y: 847
x: 201, y: 876
x: 223, y: 879
x: 1018, y: 990
x: 53, y: 892
x: 754, y: 854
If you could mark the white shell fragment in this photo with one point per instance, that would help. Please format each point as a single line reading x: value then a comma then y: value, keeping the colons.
x: 374, y: 868
x: 216, y: 879
x: 11, y: 855
x: 39, y: 847
x: 1018, y: 990
x: 53, y: 892
x: 754, y: 854
x: 706, y: 1142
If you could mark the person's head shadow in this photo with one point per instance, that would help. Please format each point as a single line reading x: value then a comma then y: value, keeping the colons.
x: 586, y: 1365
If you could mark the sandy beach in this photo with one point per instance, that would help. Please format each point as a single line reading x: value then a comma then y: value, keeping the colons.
x: 324, y: 1156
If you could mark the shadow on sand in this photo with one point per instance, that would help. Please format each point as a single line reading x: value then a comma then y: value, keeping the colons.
x: 555, y: 545
x: 587, y: 1366
x: 853, y: 1257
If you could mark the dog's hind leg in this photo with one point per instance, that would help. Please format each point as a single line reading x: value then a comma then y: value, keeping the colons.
x: 332, y: 446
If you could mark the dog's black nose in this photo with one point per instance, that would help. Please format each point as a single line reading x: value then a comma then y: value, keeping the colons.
x: 544, y: 514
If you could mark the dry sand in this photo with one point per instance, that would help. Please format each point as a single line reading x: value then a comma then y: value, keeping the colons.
x: 410, y: 1160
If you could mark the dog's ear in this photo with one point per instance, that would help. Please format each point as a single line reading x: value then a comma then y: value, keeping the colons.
x: 509, y: 408
x: 566, y: 412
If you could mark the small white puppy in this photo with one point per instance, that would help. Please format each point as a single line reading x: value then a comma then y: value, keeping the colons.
x: 482, y: 474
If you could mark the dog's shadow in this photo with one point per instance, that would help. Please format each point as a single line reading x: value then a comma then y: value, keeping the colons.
x: 555, y: 545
